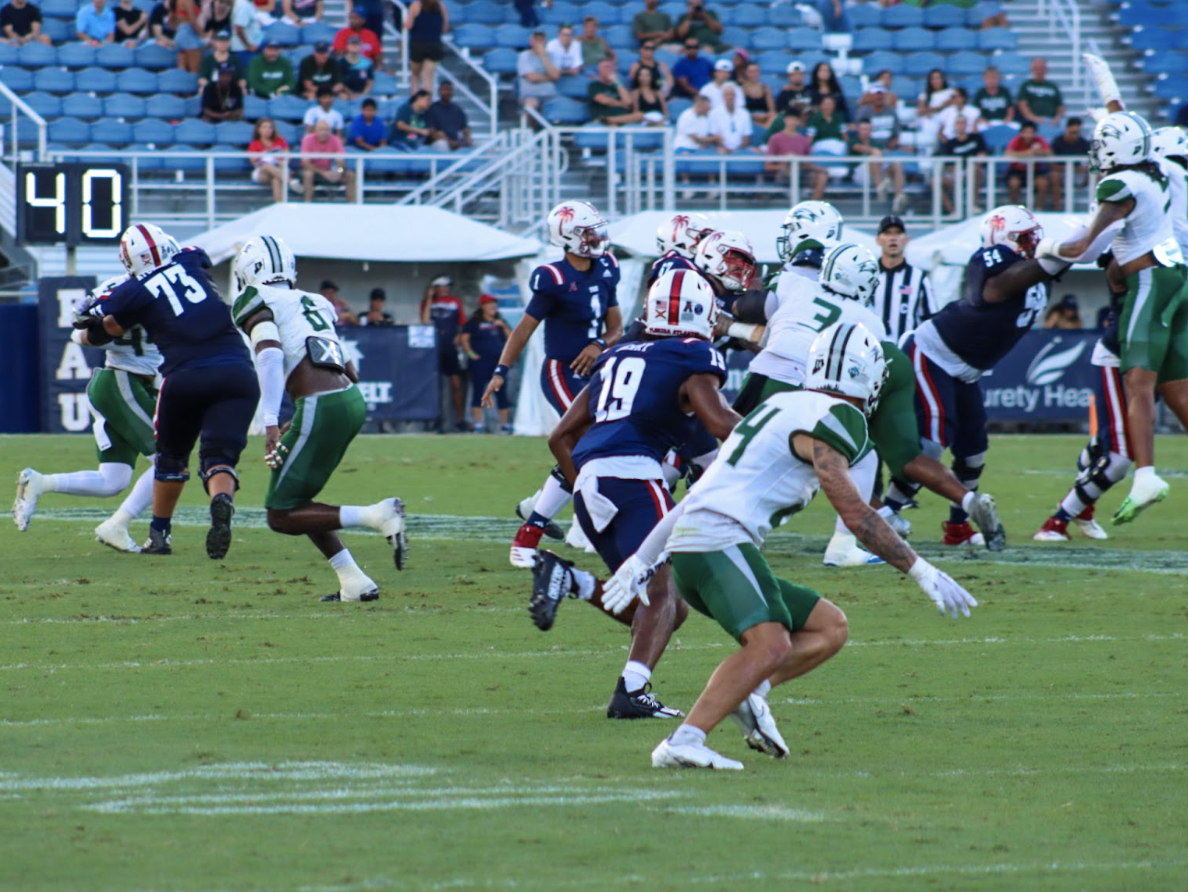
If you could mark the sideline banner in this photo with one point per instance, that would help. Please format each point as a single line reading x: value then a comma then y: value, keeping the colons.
x: 65, y: 366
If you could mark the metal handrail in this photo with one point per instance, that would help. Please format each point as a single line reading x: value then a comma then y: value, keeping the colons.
x: 424, y: 189
x: 1067, y: 14
x: 402, y: 75
x: 20, y: 105
x: 492, y: 83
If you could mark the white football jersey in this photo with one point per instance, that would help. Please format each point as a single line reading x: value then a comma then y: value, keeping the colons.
x: 297, y: 314
x: 1148, y: 227
x: 804, y: 310
x: 1177, y: 184
x: 133, y: 352
x: 756, y: 482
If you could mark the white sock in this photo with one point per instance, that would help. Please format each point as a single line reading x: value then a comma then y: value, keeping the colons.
x: 842, y: 539
x: 349, y: 573
x: 967, y: 500
x: 687, y: 735
x: 585, y: 583
x: 110, y: 479
x: 1141, y: 474
x: 139, y: 499
x: 552, y: 498
x: 349, y: 516
x: 635, y: 675
x: 362, y: 515
x: 764, y: 688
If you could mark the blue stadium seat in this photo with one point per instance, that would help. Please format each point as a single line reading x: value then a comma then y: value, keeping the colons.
x: 254, y: 107
x: 111, y: 132
x: 44, y: 104
x: 574, y: 87
x: 386, y: 160
x: 420, y: 162
x: 283, y: 33
x: 944, y: 17
x: 1141, y: 15
x: 788, y: 16
x: 919, y: 64
x: 1174, y: 86
x: 1147, y: 39
x: 997, y: 39
x: 737, y: 37
x: 165, y: 106
x: 903, y: 16
x: 28, y: 136
x: 37, y: 55
x: 865, y: 15
x: 155, y: 131
x: 882, y: 61
x: 293, y: 133
x: 287, y: 108
x: 747, y: 17
x: 677, y: 106
x: 954, y: 39
x: 1010, y: 63
x: 93, y: 156
x: 384, y: 85
x: 619, y: 36
x: 177, y: 81
x: 137, y: 80
x: 566, y: 111
x: 801, y: 39
x: 475, y: 36
x: 486, y: 13
x: 154, y: 57
x: 19, y: 80
x: 195, y: 132
x: 998, y: 136
x: 912, y: 40
x: 8, y: 54
x: 868, y: 40
x: 773, y: 63
x: 114, y: 55
x: 124, y: 105
x: 79, y: 55
x: 97, y: 80
x: 770, y: 39
x: 1168, y: 62
x: 514, y: 37
x: 69, y: 130
x: 606, y: 14
x: 148, y: 161
x: 186, y: 164
x: 501, y: 61
x: 55, y: 80
x: 315, y: 32
x: 59, y: 9
x: 965, y: 64
x: 235, y: 133
x: 81, y: 105
x: 58, y: 30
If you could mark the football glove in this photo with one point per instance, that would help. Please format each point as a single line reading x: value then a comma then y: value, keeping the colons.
x: 946, y: 594
x: 629, y: 582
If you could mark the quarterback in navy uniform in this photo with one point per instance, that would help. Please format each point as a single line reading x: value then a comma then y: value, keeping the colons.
x: 209, y: 389
x: 1004, y: 294
x: 645, y: 398
x: 576, y: 299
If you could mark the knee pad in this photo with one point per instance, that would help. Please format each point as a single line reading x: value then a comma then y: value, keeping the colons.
x: 213, y: 465
x: 932, y: 449
x: 557, y: 475
x: 968, y: 468
x: 171, y: 468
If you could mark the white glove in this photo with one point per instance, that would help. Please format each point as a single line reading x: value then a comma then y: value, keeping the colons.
x: 1046, y: 254
x: 945, y: 593
x: 1099, y: 69
x: 1096, y: 112
x: 629, y: 582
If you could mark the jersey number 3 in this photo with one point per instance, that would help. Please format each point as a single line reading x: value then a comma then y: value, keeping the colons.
x: 621, y: 379
x: 173, y: 283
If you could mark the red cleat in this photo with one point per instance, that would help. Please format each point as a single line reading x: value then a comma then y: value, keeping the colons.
x: 524, y: 546
x: 961, y: 534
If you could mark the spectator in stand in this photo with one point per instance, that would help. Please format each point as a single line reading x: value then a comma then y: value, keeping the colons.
x: 537, y: 74
x: 883, y: 79
x: 527, y: 11
x: 95, y: 22
x: 757, y: 96
x: 1028, y: 146
x: 174, y: 25
x: 358, y: 72
x: 692, y: 71
x: 965, y: 144
x: 994, y: 16
x: 947, y: 119
x: 826, y: 122
x: 565, y: 51
x: 653, y: 24
x: 447, y: 120
x: 994, y: 100
x: 410, y: 130
x: 428, y: 21
x: 222, y: 99
x: 367, y: 132
x: 369, y: 40
x: 937, y: 96
x: 885, y: 176
x: 884, y: 129
x: 693, y: 131
x: 723, y: 72
x: 482, y: 338
x: 302, y: 12
x: 610, y: 103
x: 824, y: 83
x: 332, y: 170
x: 661, y: 75
x: 1072, y: 143
x: 265, y: 11
x: 247, y: 33
x: 732, y: 122
x: 270, y: 74
x: 320, y: 69
x: 20, y: 23
x: 377, y: 313
x: 795, y: 91
x: 647, y: 100
x: 268, y: 153
x: 1065, y: 314
x: 131, y: 23
x: 702, y: 24
x: 791, y: 140
x: 444, y: 312
x: 215, y: 17
x: 1040, y: 100
x: 594, y: 45
x: 372, y: 12
x: 324, y: 111
x: 833, y: 16
x: 346, y: 316
x: 220, y: 55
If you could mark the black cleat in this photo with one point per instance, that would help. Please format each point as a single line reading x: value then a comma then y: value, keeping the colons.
x: 158, y: 543
x: 552, y: 581
x: 218, y: 540
x: 366, y: 596
x: 641, y: 704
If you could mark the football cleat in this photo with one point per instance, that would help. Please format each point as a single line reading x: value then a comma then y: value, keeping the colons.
x: 158, y: 543
x: 961, y: 534
x: 524, y: 546
x: 1053, y: 530
x: 758, y: 725
x: 392, y: 529
x: 901, y: 525
x: 115, y: 535
x: 641, y: 704
x: 984, y: 512
x: 1143, y: 494
x: 28, y: 491
x: 372, y: 595
x: 843, y: 551
x: 689, y: 755
x: 218, y: 538
x: 552, y: 582
x: 1090, y: 527
x: 524, y: 510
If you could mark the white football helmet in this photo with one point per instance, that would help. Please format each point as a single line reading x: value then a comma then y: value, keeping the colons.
x: 83, y: 307
x: 144, y: 247
x: 1120, y: 138
x: 851, y: 271
x: 1013, y: 226
x: 1169, y: 142
x: 729, y: 257
x: 265, y: 260
x: 845, y: 359
x: 577, y: 227
x: 681, y: 233
x: 681, y: 303
x: 816, y: 220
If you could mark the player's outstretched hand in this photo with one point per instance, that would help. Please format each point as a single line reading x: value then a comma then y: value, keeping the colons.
x: 586, y: 359
x: 274, y: 449
x: 946, y: 594
x: 493, y: 387
x: 629, y: 582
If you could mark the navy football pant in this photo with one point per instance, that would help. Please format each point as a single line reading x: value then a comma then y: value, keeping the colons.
x: 215, y: 403
x: 641, y: 504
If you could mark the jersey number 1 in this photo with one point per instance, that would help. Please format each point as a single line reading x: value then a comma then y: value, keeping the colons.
x: 621, y: 379
x: 173, y: 283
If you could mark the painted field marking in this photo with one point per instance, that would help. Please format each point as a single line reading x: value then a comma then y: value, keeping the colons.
x: 752, y: 812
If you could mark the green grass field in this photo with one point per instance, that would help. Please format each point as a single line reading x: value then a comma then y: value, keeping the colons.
x: 180, y: 725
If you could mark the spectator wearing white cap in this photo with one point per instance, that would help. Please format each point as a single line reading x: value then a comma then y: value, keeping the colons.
x: 796, y: 91
x: 444, y: 312
x: 723, y: 72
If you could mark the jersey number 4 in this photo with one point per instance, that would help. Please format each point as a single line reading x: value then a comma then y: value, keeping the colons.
x: 174, y: 284
x: 621, y: 379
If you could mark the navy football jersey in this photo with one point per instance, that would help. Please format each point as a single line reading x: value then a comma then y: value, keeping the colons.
x: 982, y: 333
x: 180, y: 307
x: 669, y: 262
x: 573, y: 304
x: 635, y: 397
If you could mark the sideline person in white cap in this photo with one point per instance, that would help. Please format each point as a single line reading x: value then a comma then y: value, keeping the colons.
x: 444, y: 312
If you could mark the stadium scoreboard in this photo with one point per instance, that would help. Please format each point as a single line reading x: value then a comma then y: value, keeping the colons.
x: 71, y: 203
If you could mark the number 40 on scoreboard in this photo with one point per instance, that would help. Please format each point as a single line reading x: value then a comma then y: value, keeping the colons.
x: 71, y: 203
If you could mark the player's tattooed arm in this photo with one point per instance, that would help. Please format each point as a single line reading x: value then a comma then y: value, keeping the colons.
x: 565, y: 436
x: 833, y: 472
x: 700, y: 394
x: 1108, y: 213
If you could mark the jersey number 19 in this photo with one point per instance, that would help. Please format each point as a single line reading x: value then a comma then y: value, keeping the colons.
x: 621, y: 379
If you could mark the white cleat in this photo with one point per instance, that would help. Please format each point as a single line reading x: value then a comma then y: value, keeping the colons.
x: 392, y: 529
x: 29, y: 490
x: 899, y: 523
x: 1090, y: 528
x: 115, y: 535
x: 671, y: 755
x: 758, y: 726
x: 850, y: 556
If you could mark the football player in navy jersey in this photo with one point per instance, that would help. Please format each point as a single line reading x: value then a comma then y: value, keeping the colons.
x: 1005, y: 292
x: 644, y: 398
x: 209, y: 389
x: 576, y: 299
x: 676, y: 240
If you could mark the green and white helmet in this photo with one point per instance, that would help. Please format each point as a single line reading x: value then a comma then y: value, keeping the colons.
x: 265, y: 260
x: 816, y: 220
x: 851, y: 271
x: 1119, y: 139
x: 1169, y: 142
x: 846, y: 360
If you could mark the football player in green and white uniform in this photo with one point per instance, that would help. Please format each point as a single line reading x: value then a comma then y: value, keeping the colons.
x: 772, y: 465
x: 297, y: 350
x: 123, y: 398
x: 1170, y: 147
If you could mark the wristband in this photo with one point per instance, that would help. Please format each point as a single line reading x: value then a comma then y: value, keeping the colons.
x: 741, y: 330
x: 500, y: 370
x: 919, y: 569
x: 601, y: 342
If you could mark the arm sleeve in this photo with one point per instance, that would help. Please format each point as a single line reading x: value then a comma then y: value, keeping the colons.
x: 270, y: 369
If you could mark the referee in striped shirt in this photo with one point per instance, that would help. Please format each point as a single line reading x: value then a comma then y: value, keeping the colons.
x: 904, y: 296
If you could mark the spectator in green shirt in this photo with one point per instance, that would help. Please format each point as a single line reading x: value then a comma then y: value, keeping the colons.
x: 827, y: 122
x: 1040, y: 100
x: 270, y: 74
x: 702, y: 24
x: 220, y: 54
x: 993, y: 100
x: 594, y: 45
x: 610, y: 103
x: 651, y: 24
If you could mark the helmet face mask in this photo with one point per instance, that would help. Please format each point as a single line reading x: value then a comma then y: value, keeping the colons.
x: 816, y: 220
x: 680, y: 303
x: 1014, y: 227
